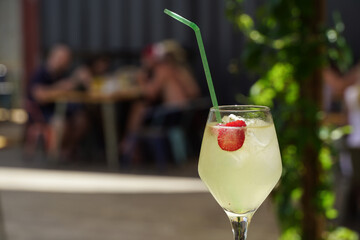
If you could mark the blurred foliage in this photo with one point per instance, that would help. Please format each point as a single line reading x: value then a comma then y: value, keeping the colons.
x: 285, y: 50
x: 342, y: 234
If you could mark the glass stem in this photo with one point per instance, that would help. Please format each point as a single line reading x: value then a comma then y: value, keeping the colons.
x: 240, y: 224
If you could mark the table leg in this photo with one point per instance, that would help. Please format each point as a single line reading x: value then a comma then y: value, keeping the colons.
x: 59, y: 120
x: 2, y: 222
x: 111, y: 144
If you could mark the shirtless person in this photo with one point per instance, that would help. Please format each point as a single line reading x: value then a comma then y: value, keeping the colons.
x: 166, y: 77
x: 165, y: 80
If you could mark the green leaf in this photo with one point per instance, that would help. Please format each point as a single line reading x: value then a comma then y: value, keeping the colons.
x: 342, y: 233
x: 245, y: 22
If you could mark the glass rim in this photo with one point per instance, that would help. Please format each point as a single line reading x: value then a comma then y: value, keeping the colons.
x: 241, y: 108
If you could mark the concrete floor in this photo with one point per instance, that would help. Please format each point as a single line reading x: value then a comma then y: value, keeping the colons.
x: 61, y: 216
x: 43, y: 204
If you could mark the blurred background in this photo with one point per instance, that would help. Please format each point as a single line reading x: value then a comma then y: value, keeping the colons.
x: 103, y: 106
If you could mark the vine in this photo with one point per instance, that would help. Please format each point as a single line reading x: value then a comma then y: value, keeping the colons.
x: 287, y: 45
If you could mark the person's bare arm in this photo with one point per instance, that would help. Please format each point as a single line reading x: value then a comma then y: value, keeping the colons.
x: 141, y: 79
x: 189, y: 83
x: 352, y: 76
x: 44, y: 94
x: 339, y: 83
x: 334, y: 80
x: 153, y: 87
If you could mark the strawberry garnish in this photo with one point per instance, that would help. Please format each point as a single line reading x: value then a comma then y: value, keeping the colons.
x: 231, y: 135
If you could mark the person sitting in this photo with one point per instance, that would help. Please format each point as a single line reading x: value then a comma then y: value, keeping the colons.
x: 165, y: 80
x: 352, y: 101
x: 49, y: 82
x: 165, y: 76
x: 99, y: 68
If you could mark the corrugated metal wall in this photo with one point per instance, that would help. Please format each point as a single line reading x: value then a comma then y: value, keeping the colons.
x: 130, y: 24
x: 93, y: 25
x: 119, y: 26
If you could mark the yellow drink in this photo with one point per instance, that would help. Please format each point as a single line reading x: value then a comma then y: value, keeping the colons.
x: 241, y: 180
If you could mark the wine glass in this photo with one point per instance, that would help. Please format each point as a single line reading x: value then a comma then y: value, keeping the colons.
x: 240, y: 161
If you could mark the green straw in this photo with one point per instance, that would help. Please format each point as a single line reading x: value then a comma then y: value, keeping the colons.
x: 203, y: 58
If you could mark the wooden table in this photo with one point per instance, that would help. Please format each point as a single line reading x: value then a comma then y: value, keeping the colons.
x: 107, y: 102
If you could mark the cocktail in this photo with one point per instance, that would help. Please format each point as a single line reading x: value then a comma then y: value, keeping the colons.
x: 240, y: 161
